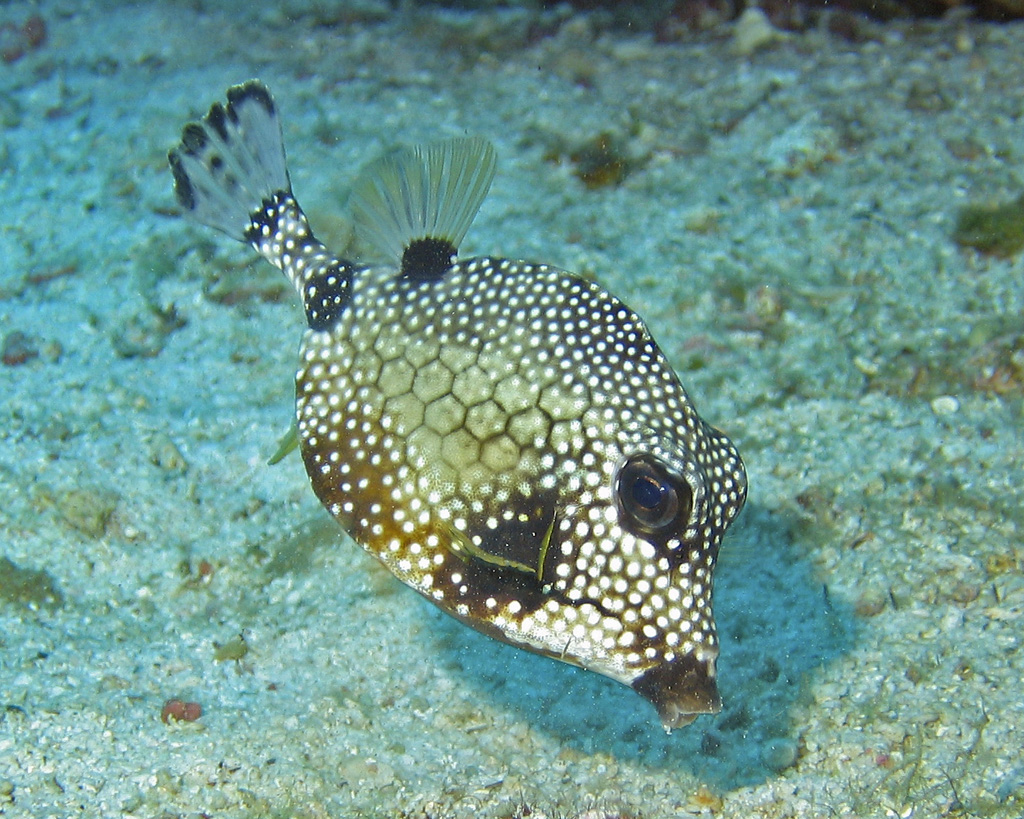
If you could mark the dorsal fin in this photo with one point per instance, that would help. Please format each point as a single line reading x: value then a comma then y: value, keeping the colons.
x: 415, y: 205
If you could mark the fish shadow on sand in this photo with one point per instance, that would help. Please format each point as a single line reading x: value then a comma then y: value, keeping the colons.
x: 776, y: 624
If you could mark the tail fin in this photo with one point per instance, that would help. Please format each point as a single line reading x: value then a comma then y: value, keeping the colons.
x: 232, y: 162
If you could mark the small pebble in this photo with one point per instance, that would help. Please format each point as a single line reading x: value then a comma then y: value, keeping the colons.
x: 234, y: 649
x: 18, y: 349
x: 181, y: 711
x: 164, y: 453
x: 31, y: 588
x: 144, y: 334
x: 86, y: 510
x: 965, y: 592
x: 703, y: 220
x: 945, y: 405
x: 871, y: 603
x: 779, y: 753
x: 765, y: 302
x: 753, y: 30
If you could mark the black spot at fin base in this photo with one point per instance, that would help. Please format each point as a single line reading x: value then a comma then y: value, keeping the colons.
x: 427, y: 259
x: 326, y: 294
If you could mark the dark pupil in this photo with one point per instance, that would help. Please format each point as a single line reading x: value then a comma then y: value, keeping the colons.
x: 651, y: 500
x: 647, y: 492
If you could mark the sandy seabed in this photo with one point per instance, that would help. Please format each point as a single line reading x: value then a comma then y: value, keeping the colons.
x: 784, y: 219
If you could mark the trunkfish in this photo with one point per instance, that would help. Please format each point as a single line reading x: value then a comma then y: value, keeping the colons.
x: 506, y: 437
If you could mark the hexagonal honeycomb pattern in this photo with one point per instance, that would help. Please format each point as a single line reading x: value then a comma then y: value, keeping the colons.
x: 473, y: 419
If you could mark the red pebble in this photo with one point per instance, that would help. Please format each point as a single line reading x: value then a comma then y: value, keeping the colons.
x: 181, y: 711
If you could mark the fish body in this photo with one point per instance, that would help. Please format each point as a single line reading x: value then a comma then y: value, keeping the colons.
x: 506, y: 437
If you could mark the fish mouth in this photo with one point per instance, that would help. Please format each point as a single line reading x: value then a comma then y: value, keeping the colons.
x: 681, y: 689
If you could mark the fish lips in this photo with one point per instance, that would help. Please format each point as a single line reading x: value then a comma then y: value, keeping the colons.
x: 681, y: 690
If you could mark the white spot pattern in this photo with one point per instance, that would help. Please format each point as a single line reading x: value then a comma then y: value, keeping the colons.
x: 493, y: 410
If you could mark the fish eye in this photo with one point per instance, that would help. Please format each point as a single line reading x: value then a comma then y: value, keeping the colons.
x: 652, y: 499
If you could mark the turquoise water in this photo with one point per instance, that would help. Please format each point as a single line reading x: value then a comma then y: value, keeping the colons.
x: 783, y: 219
